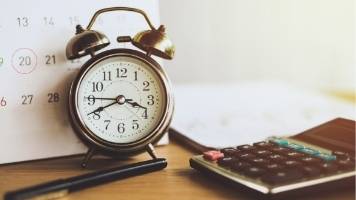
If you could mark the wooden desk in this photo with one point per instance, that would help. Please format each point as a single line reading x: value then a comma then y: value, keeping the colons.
x: 177, y: 181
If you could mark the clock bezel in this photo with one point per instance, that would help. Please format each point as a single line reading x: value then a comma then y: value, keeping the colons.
x: 90, y: 138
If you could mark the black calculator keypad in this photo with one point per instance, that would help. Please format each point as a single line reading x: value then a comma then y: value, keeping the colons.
x: 276, y: 164
x: 316, y: 158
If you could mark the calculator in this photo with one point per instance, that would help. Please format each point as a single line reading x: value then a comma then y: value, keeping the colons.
x: 316, y: 159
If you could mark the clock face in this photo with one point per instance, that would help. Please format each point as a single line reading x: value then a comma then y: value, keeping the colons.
x: 121, y: 99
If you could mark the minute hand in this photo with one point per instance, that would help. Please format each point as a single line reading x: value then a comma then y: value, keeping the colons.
x: 103, y: 98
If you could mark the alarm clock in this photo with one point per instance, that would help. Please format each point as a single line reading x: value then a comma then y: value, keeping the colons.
x: 120, y: 103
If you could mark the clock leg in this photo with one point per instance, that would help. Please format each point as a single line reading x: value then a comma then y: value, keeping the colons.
x: 87, y: 157
x: 151, y: 151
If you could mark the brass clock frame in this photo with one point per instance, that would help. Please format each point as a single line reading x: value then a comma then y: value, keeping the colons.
x: 152, y: 42
x: 95, y: 143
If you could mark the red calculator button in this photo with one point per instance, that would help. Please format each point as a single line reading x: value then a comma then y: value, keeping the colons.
x: 213, y: 155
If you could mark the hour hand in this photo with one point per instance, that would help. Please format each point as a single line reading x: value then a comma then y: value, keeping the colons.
x: 97, y: 110
x: 100, y: 98
x: 135, y: 104
x: 101, y: 108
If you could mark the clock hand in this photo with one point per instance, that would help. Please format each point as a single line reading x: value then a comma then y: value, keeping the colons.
x: 135, y: 104
x: 118, y: 100
x: 103, y: 98
x: 101, y: 108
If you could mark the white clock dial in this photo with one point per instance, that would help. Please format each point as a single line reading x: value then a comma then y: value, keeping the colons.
x: 121, y: 99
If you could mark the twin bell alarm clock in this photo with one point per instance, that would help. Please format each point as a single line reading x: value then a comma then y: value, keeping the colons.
x: 120, y: 103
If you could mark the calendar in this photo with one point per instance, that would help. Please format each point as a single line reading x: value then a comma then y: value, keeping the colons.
x: 35, y: 75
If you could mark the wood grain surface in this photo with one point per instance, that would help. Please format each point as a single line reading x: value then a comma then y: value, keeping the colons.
x: 177, y: 181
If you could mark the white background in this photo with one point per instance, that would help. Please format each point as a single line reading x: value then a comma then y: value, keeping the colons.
x: 309, y: 43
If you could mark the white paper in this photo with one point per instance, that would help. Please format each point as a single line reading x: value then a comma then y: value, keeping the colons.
x: 33, y: 68
x: 227, y: 115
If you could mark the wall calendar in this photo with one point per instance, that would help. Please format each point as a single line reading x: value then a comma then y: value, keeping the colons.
x: 35, y: 75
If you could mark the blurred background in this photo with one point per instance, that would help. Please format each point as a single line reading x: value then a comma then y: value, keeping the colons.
x: 309, y: 43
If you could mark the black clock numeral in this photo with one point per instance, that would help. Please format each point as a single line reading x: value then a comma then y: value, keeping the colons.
x: 135, y: 125
x: 144, y: 114
x: 146, y: 84
x: 107, y: 76
x: 135, y: 76
x: 121, y: 72
x: 96, y: 115
x: 27, y: 99
x: 107, y: 122
x: 150, y: 100
x: 98, y: 86
x: 121, y: 128
x: 91, y: 100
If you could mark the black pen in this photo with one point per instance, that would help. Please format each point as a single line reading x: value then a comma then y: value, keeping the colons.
x: 61, y: 187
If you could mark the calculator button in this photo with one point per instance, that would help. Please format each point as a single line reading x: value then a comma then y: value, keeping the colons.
x: 310, y: 151
x: 280, y: 150
x: 246, y: 156
x: 262, y: 153
x: 341, y: 155
x: 295, y: 146
x: 311, y: 171
x: 276, y: 158
x: 280, y: 141
x: 254, y: 172
x: 213, y: 155
x: 282, y: 176
x: 310, y: 160
x: 326, y: 157
x: 229, y: 151
x: 345, y: 164
x: 245, y: 147
x: 264, y: 145
x: 294, y: 154
x: 328, y: 167
x: 274, y: 167
x: 292, y: 164
x: 226, y: 161
x: 259, y: 161
x: 240, y: 166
